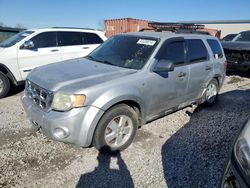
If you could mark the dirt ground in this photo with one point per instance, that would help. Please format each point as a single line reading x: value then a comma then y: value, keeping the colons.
x: 188, y: 148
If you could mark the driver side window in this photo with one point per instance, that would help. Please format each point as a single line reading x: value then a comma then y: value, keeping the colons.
x: 173, y: 51
x: 45, y: 40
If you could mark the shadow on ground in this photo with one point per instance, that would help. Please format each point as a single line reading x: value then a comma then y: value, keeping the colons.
x: 14, y: 90
x: 243, y: 74
x: 105, y: 177
x: 195, y: 156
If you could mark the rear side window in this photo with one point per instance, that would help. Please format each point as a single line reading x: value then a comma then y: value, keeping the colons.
x: 196, y: 50
x: 45, y: 40
x: 92, y: 38
x: 173, y: 51
x: 215, y: 47
x: 70, y: 38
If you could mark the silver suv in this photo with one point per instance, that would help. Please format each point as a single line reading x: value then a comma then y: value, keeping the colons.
x: 129, y: 80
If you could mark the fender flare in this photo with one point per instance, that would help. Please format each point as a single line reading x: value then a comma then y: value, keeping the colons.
x: 9, y: 74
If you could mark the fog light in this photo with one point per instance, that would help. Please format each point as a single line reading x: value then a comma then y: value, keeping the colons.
x: 60, y: 133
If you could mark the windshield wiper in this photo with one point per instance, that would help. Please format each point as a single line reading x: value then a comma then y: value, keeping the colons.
x: 90, y: 57
x: 105, y: 62
x: 98, y: 60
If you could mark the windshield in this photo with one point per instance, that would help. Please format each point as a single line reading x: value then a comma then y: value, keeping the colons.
x: 15, y: 39
x: 125, y: 51
x: 244, y: 36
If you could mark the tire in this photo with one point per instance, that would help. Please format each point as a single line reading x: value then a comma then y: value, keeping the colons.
x: 4, y: 85
x: 211, y: 94
x: 109, y: 136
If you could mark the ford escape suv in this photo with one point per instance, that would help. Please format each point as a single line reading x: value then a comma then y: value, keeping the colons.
x: 32, y: 48
x: 129, y: 80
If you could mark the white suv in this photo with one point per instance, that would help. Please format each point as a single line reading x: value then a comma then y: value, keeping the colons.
x: 32, y: 48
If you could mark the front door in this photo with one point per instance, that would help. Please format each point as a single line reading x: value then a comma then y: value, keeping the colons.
x: 45, y: 51
x: 169, y: 89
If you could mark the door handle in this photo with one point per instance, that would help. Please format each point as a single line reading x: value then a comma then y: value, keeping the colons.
x: 208, y: 68
x: 182, y: 74
x: 85, y: 48
x: 55, y: 50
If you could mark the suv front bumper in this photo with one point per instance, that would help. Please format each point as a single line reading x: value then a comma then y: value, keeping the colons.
x: 76, y: 126
x: 233, y: 177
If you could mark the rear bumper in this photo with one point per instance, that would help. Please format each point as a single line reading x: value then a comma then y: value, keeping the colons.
x: 78, y: 125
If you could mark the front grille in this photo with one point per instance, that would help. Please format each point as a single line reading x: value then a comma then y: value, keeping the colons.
x: 38, y: 95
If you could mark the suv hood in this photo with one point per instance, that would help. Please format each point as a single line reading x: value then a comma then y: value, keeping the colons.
x: 75, y: 74
x: 236, y: 45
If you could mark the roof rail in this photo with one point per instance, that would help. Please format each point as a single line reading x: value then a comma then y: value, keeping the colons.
x: 175, y: 26
x: 71, y: 28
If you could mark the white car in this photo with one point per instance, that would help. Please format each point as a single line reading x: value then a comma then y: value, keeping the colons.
x: 32, y: 48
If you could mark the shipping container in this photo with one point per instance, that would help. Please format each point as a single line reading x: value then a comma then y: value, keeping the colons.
x: 124, y: 25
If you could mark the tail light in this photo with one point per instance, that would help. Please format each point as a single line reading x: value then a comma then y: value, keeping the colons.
x: 225, y: 66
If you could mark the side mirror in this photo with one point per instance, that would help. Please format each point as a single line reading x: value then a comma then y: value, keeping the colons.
x: 28, y: 45
x: 164, y: 66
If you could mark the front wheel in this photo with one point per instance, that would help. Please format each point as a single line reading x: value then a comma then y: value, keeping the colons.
x: 4, y: 85
x: 211, y: 93
x: 116, y: 129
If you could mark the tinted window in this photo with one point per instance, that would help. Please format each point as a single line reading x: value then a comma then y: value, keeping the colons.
x: 173, y: 51
x: 215, y: 47
x: 92, y: 38
x: 196, y: 50
x: 125, y: 51
x: 244, y: 36
x: 70, y: 38
x: 44, y: 40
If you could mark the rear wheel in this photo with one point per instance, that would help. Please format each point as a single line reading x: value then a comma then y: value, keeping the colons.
x: 116, y: 129
x: 4, y: 85
x: 211, y: 93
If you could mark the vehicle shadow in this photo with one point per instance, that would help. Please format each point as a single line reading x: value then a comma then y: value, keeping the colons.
x: 105, y: 177
x: 195, y: 156
x: 243, y: 74
x: 14, y: 90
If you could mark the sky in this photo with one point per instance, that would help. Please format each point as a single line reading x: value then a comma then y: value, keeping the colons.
x: 91, y: 13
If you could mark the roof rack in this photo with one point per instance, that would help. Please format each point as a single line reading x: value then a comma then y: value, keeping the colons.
x: 174, y: 27
x: 72, y: 28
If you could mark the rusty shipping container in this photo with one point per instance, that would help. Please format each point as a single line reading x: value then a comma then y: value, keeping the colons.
x: 124, y: 25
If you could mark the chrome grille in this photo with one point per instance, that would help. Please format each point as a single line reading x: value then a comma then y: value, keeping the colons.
x: 38, y: 95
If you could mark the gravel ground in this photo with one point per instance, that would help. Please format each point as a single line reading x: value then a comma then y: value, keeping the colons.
x: 188, y: 148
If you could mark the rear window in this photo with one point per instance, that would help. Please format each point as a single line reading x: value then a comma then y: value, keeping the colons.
x: 70, y: 38
x: 196, y: 50
x: 215, y: 47
x: 92, y: 38
x: 78, y: 38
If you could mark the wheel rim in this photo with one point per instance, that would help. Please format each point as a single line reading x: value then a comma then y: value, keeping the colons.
x: 1, y: 86
x: 118, y: 131
x: 211, y: 92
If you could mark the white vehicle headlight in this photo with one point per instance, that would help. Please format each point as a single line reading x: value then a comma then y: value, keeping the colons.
x: 242, y: 149
x: 65, y: 102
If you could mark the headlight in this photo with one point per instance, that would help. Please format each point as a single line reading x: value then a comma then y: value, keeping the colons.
x: 65, y: 102
x: 242, y: 149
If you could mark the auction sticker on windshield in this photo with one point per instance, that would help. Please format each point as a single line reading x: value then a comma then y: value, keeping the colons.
x: 146, y: 42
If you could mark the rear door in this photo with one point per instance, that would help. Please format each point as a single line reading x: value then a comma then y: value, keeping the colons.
x: 169, y: 90
x: 45, y: 51
x: 77, y: 44
x: 200, y: 65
